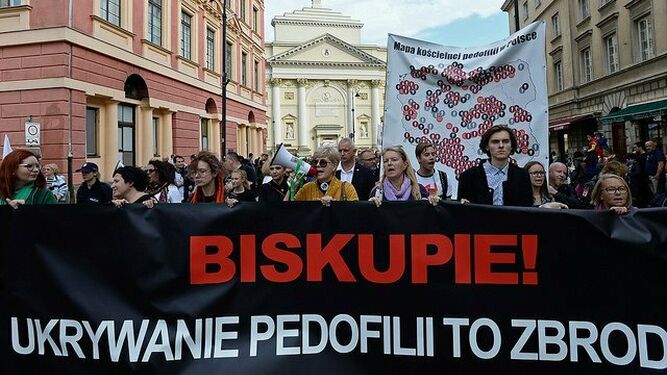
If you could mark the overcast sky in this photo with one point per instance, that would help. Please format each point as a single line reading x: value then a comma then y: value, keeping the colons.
x: 449, y: 22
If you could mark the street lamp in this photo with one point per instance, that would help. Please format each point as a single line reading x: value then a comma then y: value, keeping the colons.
x: 354, y: 119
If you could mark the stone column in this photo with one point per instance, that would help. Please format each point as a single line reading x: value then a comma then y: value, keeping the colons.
x: 350, y: 107
x: 109, y: 128
x: 375, y: 111
x: 275, y: 112
x: 144, y: 152
x: 167, y: 134
x: 304, y: 129
x: 214, y: 137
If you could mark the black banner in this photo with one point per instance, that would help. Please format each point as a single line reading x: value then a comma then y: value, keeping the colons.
x: 300, y: 289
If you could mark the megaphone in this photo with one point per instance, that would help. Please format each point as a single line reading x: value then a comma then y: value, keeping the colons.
x: 287, y: 160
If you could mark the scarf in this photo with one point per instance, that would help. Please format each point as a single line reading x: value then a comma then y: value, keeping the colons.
x: 391, y: 194
x: 198, y: 196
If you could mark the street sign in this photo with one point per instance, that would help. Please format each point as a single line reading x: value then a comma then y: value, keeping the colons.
x: 32, y: 133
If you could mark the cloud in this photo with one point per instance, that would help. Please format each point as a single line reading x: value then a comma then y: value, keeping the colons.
x: 403, y: 17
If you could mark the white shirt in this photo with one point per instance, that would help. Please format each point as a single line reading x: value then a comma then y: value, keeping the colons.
x: 346, y: 176
x: 432, y: 181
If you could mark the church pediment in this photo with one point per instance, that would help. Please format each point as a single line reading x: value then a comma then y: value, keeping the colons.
x: 326, y: 50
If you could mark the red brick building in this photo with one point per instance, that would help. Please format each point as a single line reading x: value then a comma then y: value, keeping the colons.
x: 131, y: 79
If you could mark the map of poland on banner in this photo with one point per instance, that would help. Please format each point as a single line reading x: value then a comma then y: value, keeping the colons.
x: 450, y: 96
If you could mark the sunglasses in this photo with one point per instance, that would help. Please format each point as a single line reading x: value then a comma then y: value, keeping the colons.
x: 322, y: 163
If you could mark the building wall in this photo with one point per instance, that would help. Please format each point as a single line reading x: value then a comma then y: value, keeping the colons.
x: 35, y: 55
x: 635, y: 82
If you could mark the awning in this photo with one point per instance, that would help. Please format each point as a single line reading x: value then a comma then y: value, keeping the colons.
x: 564, y: 123
x: 636, y: 112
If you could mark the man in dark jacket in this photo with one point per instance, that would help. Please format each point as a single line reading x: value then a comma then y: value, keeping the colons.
x: 350, y: 171
x: 564, y: 193
x: 497, y: 181
x: 92, y: 190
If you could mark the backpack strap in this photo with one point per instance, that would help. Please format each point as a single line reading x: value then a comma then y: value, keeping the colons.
x: 443, y: 182
x: 343, y: 196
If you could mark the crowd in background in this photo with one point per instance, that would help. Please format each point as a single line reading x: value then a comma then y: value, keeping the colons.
x: 593, y: 179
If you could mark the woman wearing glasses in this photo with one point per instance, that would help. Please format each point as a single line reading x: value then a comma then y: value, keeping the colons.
x: 541, y: 196
x: 206, y: 170
x: 22, y: 181
x: 399, y: 182
x: 326, y: 187
x: 161, y: 183
x: 611, y: 192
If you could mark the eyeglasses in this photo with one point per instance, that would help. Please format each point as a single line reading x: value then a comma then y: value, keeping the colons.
x: 322, y: 163
x: 202, y: 171
x: 537, y: 173
x: 31, y: 166
x: 616, y: 189
x: 150, y: 170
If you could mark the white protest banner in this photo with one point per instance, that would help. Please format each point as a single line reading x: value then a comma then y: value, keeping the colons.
x: 450, y: 96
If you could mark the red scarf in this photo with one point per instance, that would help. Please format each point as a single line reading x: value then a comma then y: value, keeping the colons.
x: 198, y: 196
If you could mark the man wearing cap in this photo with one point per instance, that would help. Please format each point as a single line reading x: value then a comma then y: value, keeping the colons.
x: 92, y: 190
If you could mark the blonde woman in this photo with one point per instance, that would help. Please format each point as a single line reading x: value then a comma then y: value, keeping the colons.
x: 55, y: 183
x: 239, y: 189
x: 611, y: 192
x: 399, y: 181
x: 326, y: 188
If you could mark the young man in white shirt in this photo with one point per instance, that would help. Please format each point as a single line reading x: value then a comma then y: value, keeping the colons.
x: 429, y: 177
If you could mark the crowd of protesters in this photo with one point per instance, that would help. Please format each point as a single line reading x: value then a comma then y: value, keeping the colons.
x: 594, y: 179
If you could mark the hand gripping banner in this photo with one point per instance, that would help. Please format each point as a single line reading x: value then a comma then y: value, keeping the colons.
x: 450, y: 96
x: 350, y: 289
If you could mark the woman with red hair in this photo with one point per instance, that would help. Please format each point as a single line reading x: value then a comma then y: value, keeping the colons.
x: 22, y: 181
x: 207, y: 172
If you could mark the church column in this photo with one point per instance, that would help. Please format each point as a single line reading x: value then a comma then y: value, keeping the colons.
x: 375, y: 110
x: 304, y: 130
x: 275, y: 111
x: 350, y: 107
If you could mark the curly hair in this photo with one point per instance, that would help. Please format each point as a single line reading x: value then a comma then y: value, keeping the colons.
x: 136, y: 176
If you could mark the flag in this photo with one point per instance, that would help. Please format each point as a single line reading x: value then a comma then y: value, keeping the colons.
x: 6, y: 147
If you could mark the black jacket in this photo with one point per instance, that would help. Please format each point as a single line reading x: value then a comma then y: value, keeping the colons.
x: 363, y: 181
x: 517, y: 190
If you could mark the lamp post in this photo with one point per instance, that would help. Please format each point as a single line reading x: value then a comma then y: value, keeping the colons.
x: 354, y: 119
x: 224, y: 82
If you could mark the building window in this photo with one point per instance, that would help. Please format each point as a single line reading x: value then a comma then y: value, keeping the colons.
x: 584, y: 11
x: 242, y: 10
x: 611, y: 47
x: 156, y: 136
x: 91, y: 131
x: 244, y: 69
x: 558, y: 76
x: 9, y: 3
x: 555, y: 25
x: 155, y: 21
x: 228, y: 60
x: 126, y: 134
x: 210, y: 49
x: 186, y: 35
x: 645, y: 38
x: 257, y: 76
x: 525, y: 10
x: 110, y: 11
x: 255, y: 19
x: 204, y: 134
x: 586, y: 65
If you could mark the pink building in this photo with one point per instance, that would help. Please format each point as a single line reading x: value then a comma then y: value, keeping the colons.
x: 131, y: 79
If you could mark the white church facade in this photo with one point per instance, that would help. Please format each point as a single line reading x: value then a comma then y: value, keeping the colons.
x: 323, y: 83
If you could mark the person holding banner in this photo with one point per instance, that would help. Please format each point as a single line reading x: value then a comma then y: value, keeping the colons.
x: 497, y: 181
x: 399, y: 182
x: 427, y: 175
x: 611, y: 192
x: 239, y: 189
x: 92, y: 190
x: 129, y: 186
x: 209, y: 184
x: 276, y: 189
x: 326, y: 188
x: 22, y: 181
x: 161, y: 184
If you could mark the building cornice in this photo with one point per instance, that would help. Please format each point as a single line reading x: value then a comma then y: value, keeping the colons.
x: 326, y: 63
x: 317, y: 23
x: 370, y: 59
